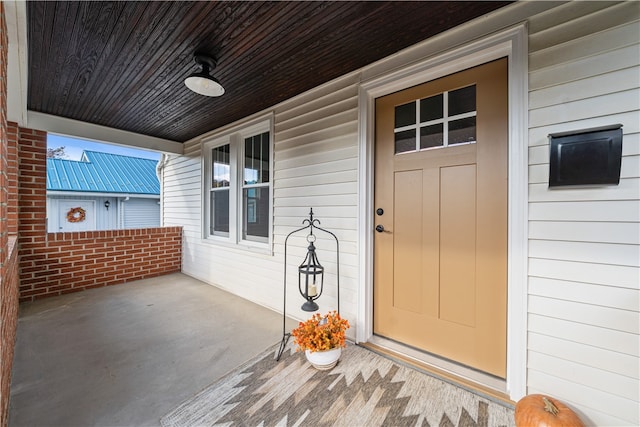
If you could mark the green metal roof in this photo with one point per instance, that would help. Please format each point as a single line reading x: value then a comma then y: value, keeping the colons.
x: 103, y: 173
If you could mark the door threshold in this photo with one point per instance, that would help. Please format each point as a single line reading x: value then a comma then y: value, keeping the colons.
x: 492, y: 387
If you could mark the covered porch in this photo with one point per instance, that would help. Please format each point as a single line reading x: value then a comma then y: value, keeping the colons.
x: 127, y: 355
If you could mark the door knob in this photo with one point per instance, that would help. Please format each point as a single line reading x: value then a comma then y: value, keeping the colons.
x: 379, y: 228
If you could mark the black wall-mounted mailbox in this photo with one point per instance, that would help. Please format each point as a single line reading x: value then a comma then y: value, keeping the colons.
x: 586, y: 157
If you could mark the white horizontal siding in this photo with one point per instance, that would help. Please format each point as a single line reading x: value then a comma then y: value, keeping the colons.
x: 105, y: 219
x: 593, y: 336
x: 315, y: 165
x: 579, y: 231
x: 584, y: 253
x: 140, y: 213
x: 583, y: 288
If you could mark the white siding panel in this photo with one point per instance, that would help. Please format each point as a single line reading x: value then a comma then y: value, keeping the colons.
x: 619, y: 102
x: 601, y: 232
x: 141, y: 213
x: 562, y: 14
x: 612, y: 61
x: 306, y: 146
x: 582, y: 25
x: 584, y: 280
x: 315, y: 158
x: 604, y: 359
x: 628, y: 189
x: 587, y: 293
x: 599, y: 253
x: 594, y: 336
x: 616, y: 81
x: 619, y: 385
x: 311, y: 180
x: 605, y: 317
x: 341, y: 165
x: 592, y: 45
x: 631, y: 145
x: 609, y: 211
x: 599, y: 274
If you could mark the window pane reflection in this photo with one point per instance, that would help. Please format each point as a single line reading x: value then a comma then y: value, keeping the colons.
x: 221, y: 166
x: 405, y: 115
x: 256, y: 159
x: 463, y: 130
x: 405, y: 141
x: 462, y: 100
x: 255, y: 213
x: 431, y: 136
x: 219, y: 212
x: 431, y: 108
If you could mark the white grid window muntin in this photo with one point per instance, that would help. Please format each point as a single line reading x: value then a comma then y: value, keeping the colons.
x: 444, y: 120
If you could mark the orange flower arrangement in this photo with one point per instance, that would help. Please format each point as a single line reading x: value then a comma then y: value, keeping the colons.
x: 321, y: 333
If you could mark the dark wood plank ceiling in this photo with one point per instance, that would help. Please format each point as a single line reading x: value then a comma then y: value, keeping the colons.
x: 122, y: 64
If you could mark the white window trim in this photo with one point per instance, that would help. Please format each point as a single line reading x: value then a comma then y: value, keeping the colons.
x: 235, y: 136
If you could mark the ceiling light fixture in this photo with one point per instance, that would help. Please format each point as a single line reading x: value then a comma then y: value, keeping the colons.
x: 202, y: 82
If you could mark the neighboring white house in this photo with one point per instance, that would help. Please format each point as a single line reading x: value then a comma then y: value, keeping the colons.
x: 567, y: 315
x: 102, y: 191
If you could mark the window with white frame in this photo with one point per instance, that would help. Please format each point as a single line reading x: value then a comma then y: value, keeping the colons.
x: 238, y: 186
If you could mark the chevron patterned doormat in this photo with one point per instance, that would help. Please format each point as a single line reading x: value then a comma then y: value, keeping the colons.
x: 364, y: 389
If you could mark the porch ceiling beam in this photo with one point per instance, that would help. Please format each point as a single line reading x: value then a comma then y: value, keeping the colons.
x: 16, y: 18
x: 98, y: 133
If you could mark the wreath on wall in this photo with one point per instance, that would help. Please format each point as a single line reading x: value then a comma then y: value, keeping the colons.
x: 76, y: 215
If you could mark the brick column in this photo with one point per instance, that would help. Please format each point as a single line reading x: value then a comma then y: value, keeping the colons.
x: 32, y: 202
x: 8, y: 225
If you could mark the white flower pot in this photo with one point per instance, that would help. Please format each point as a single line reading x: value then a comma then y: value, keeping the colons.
x: 323, y: 360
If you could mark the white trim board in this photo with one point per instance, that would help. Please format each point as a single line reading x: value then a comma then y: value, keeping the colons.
x: 76, y: 128
x: 97, y: 194
x: 511, y: 43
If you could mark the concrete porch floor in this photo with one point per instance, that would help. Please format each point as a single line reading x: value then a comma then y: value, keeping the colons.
x: 126, y: 355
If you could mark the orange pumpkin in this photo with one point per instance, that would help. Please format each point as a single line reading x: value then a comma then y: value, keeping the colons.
x: 537, y: 410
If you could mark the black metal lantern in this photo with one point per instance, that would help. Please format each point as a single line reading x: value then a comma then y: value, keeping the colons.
x: 310, y: 277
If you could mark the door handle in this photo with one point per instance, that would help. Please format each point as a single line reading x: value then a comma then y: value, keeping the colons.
x: 379, y: 228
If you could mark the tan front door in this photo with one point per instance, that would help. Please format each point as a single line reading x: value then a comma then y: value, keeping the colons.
x: 440, y: 263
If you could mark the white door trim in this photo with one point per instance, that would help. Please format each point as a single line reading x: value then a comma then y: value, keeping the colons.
x: 511, y: 43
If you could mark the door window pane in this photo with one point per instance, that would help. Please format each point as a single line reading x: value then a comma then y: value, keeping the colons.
x: 255, y: 213
x: 463, y: 130
x: 462, y: 100
x: 256, y: 159
x: 219, y: 213
x: 405, y: 141
x: 405, y: 115
x: 221, y: 167
x: 431, y: 108
x: 431, y: 136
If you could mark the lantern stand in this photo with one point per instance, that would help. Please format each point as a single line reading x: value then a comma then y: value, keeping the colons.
x: 309, y: 269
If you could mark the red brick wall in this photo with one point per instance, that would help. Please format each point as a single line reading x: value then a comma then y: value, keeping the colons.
x: 9, y: 324
x: 40, y: 264
x: 12, y: 178
x: 72, y: 262
x: 8, y: 222
x: 58, y: 263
